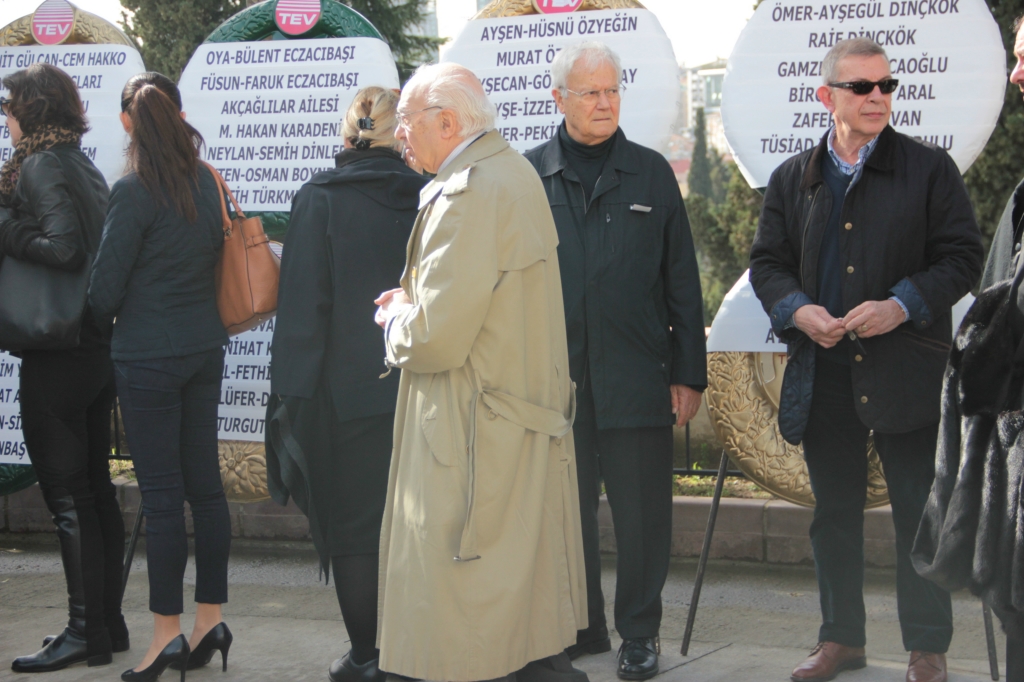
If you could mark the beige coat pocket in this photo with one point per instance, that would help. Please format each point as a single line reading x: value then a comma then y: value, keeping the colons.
x: 441, y: 424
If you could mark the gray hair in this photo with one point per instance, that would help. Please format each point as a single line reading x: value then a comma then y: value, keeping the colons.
x: 591, y: 53
x: 454, y: 87
x: 854, y: 47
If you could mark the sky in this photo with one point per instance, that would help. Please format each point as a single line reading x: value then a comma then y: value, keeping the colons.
x: 687, y: 22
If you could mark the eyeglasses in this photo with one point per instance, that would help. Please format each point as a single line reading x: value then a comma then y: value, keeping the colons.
x: 886, y: 86
x: 592, y: 96
x: 403, y: 119
x: 5, y: 104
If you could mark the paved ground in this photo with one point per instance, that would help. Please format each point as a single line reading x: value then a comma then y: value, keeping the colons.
x: 755, y: 623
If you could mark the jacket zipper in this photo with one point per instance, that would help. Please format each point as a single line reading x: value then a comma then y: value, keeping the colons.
x: 586, y: 209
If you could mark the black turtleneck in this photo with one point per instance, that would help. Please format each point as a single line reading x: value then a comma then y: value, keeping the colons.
x: 586, y: 160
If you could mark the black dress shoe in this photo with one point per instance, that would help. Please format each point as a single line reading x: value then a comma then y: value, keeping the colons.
x: 67, y: 648
x: 346, y: 670
x: 176, y: 651
x: 593, y: 640
x: 219, y: 638
x: 557, y: 668
x: 638, y: 658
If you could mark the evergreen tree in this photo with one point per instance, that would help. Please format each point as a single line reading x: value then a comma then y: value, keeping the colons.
x: 699, y: 179
x: 993, y: 176
x: 399, y: 21
x: 722, y: 233
x: 167, y: 32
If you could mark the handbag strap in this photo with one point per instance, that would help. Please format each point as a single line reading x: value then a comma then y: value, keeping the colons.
x: 223, y: 188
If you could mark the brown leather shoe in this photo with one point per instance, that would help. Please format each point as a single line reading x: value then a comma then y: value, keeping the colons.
x: 926, y: 667
x: 828, y: 660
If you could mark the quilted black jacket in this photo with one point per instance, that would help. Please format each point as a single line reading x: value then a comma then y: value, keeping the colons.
x: 909, y: 231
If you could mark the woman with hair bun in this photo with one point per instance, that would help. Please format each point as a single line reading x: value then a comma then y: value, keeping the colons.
x: 155, y: 274
x: 346, y: 242
x: 54, y: 203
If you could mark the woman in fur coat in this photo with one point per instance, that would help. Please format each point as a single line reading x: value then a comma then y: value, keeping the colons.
x: 972, y: 532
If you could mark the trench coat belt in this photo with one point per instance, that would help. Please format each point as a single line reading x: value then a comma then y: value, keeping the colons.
x: 522, y: 413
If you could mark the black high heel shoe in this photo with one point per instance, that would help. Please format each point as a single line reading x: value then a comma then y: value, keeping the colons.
x: 219, y: 638
x: 176, y: 651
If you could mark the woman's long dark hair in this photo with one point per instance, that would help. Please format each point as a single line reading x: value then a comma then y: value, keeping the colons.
x: 164, y: 149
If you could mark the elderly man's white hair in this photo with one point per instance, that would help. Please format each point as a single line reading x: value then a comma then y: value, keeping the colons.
x: 452, y: 86
x: 590, y: 55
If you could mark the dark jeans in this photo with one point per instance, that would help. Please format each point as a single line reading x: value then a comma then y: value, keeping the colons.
x: 834, y: 448
x: 66, y: 399
x: 169, y: 407
x: 636, y: 466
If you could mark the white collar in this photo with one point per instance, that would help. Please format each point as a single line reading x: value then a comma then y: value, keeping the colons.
x: 458, y: 150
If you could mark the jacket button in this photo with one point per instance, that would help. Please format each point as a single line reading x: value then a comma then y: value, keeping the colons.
x: 849, y: 269
x: 607, y: 217
x: 848, y: 226
x: 492, y: 415
x: 858, y: 358
x: 863, y: 398
x: 558, y: 441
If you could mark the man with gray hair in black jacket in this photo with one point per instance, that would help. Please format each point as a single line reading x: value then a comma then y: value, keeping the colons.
x: 864, y: 245
x: 635, y: 326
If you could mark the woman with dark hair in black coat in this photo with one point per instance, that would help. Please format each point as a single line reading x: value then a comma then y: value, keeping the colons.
x: 346, y: 243
x: 57, y: 200
x: 154, y: 280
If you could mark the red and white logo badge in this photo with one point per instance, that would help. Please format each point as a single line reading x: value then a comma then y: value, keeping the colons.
x: 295, y: 17
x: 557, y: 6
x: 52, y: 22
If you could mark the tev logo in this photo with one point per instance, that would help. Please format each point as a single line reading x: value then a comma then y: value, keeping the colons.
x: 557, y: 6
x: 296, y: 17
x: 53, y: 22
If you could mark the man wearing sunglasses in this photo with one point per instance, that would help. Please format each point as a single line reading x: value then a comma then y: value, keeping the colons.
x: 864, y: 245
x: 635, y: 325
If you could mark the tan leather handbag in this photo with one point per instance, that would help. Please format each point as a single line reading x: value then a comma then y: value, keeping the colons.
x: 248, y: 273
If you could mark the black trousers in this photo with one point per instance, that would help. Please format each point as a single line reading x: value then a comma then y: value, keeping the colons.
x: 636, y: 466
x: 169, y: 407
x: 834, y: 447
x: 1014, y: 659
x: 66, y: 400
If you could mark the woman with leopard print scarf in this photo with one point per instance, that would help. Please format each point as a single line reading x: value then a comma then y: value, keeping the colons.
x: 54, y: 204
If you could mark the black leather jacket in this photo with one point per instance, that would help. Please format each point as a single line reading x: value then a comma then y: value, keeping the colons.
x: 56, y: 217
x: 909, y: 231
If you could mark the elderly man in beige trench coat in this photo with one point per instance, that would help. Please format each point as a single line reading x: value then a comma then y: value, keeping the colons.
x: 481, y: 551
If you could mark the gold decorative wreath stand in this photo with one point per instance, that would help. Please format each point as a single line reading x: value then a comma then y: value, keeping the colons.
x: 743, y: 399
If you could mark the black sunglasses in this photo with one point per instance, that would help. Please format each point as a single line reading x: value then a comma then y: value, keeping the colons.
x: 5, y: 102
x: 886, y: 86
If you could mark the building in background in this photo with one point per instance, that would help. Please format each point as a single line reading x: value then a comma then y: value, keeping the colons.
x: 429, y: 27
x: 704, y: 90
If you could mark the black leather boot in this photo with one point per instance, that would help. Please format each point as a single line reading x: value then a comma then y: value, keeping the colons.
x: 67, y: 648
x: 81, y: 641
